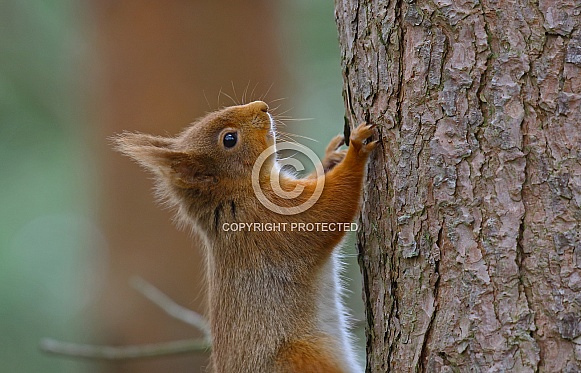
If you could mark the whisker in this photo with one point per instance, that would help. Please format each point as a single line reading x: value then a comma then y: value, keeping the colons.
x: 284, y: 112
x: 284, y: 135
x: 267, y: 91
x: 288, y: 119
x: 230, y: 97
x: 273, y: 110
x: 289, y: 157
x: 245, y: 91
x: 283, y: 138
x: 252, y: 93
x: 234, y: 91
x: 206, y: 98
x: 290, y: 139
x: 277, y: 99
x: 299, y: 136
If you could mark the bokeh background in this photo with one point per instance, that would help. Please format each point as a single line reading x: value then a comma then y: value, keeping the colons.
x: 78, y: 220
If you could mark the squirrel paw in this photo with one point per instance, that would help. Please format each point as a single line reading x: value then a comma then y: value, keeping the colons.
x: 334, y: 155
x: 358, y: 136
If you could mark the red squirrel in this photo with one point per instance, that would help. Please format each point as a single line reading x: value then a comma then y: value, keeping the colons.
x: 274, y: 294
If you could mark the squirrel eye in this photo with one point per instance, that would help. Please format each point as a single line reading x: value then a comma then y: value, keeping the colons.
x: 230, y: 139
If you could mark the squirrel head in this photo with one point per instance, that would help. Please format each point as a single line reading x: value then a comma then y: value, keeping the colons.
x: 218, y: 150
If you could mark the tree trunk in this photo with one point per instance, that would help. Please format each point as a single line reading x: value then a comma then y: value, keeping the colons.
x: 470, y: 244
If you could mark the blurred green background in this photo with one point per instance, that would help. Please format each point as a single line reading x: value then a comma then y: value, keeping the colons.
x: 50, y: 245
x: 55, y: 249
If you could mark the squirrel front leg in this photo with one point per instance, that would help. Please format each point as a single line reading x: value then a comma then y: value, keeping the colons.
x: 358, y: 151
x: 339, y: 201
x: 334, y: 155
x: 344, y: 182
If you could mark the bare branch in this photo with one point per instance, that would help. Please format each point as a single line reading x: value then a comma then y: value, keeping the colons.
x: 84, y: 351
x: 170, y: 307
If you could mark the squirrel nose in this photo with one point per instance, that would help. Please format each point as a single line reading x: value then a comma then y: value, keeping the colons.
x: 258, y: 105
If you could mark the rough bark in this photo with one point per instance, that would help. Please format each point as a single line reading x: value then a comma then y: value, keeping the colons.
x: 470, y: 248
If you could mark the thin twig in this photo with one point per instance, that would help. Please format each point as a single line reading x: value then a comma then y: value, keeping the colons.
x: 84, y: 351
x: 76, y: 350
x: 170, y: 307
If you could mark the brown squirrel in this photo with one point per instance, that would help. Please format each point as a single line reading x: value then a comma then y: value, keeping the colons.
x: 274, y: 294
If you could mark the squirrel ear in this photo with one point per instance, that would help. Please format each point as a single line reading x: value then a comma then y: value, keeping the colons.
x: 141, y: 139
x: 154, y: 153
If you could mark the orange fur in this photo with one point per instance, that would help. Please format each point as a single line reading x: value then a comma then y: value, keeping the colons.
x: 271, y: 287
x: 307, y: 356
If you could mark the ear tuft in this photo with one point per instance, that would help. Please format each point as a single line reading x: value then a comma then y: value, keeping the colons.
x: 152, y: 152
x: 155, y: 154
x: 135, y: 139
